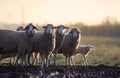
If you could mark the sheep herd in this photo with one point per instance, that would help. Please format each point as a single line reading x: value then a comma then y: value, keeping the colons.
x: 27, y: 42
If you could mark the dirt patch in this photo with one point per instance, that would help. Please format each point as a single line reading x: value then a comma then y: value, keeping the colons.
x: 100, y: 71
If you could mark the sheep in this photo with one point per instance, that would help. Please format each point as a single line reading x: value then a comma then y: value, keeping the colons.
x: 82, y: 50
x: 70, y: 41
x: 20, y: 28
x: 59, y: 37
x: 11, y: 55
x: 17, y: 42
x: 3, y: 56
x: 44, y: 43
x: 12, y: 60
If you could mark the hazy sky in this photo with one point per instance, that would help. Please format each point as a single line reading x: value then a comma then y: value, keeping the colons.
x: 58, y: 11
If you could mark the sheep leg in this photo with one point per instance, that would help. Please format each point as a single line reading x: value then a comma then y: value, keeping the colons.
x: 29, y: 57
x: 20, y: 55
x: 50, y: 57
x: 67, y: 60
x: 17, y: 58
x: 13, y: 60
x: 69, y: 63
x: 32, y: 58
x: 21, y: 60
x: 42, y: 60
x: 85, y: 60
x: 10, y: 60
x: 26, y: 59
x: 47, y: 61
x: 35, y: 57
x: 55, y: 57
x: 0, y: 59
x: 72, y: 61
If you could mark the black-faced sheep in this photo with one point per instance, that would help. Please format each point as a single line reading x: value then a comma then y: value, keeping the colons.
x: 11, y: 55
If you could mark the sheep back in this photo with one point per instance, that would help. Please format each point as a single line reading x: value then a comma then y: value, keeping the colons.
x: 43, y: 42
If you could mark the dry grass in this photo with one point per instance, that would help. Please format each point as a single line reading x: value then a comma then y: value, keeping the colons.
x: 107, y: 51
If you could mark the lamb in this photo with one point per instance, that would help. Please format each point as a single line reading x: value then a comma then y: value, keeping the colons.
x: 82, y: 50
x: 44, y: 43
x: 70, y: 41
x: 20, y: 42
x: 59, y: 37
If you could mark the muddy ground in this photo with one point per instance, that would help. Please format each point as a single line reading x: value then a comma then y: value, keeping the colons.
x: 100, y: 71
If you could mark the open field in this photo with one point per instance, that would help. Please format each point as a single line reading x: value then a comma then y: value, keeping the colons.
x: 104, y: 63
x: 107, y: 52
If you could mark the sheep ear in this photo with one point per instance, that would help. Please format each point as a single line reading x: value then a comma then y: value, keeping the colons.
x: 66, y: 27
x: 35, y: 28
x: 55, y: 27
x: 79, y: 32
x: 87, y: 48
x: 44, y: 26
x: 25, y: 28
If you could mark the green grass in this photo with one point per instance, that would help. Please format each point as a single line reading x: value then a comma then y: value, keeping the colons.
x: 107, y: 51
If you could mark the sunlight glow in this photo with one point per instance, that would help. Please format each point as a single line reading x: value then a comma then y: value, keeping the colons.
x: 58, y: 11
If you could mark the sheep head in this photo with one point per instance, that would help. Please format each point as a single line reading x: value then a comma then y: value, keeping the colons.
x: 49, y: 28
x: 29, y: 29
x: 61, y: 29
x: 88, y: 47
x: 75, y: 33
x: 20, y: 28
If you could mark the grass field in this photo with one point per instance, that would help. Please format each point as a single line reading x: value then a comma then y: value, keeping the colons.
x: 107, y: 51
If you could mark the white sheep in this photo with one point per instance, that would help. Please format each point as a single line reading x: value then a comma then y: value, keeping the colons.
x: 70, y: 42
x: 44, y: 43
x: 17, y: 42
x: 59, y: 37
x: 82, y: 50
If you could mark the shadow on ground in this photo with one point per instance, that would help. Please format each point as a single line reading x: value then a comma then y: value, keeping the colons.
x: 100, y: 71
